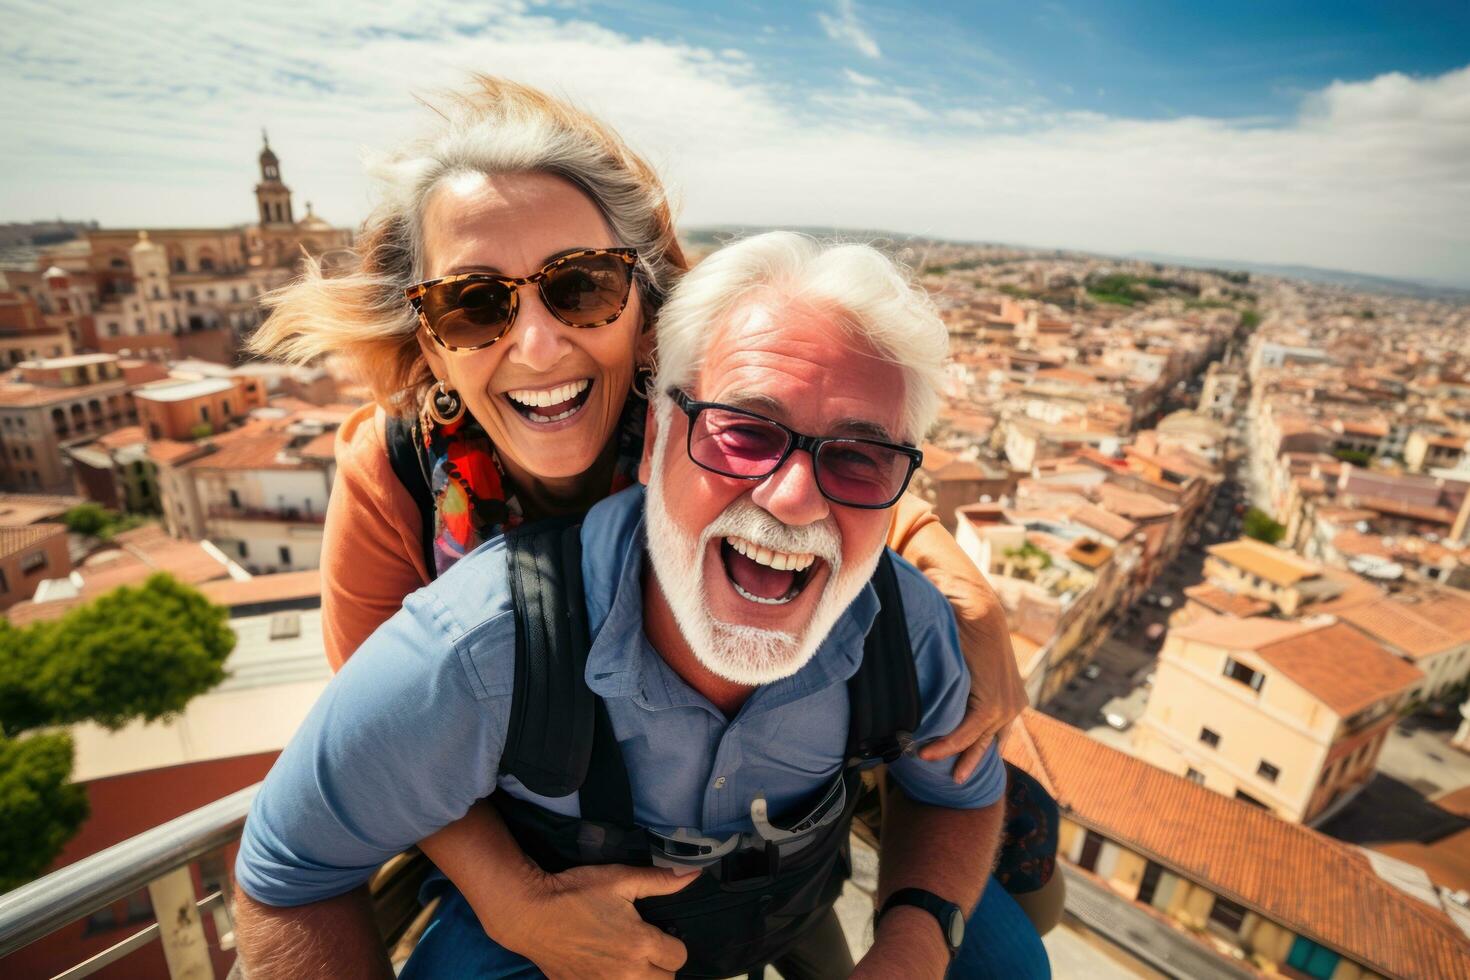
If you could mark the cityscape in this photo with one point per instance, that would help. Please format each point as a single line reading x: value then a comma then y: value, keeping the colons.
x: 1224, y: 506
x: 1227, y: 514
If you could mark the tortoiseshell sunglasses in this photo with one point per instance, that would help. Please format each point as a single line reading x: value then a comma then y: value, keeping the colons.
x: 586, y: 288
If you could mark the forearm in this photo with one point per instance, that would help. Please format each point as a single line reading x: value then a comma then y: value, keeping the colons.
x: 946, y: 851
x: 331, y: 938
x: 479, y: 855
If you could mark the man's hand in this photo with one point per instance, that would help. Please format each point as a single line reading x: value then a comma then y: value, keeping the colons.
x: 907, y: 943
x: 582, y: 923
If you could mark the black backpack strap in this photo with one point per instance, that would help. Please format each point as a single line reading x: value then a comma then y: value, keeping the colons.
x: 884, y: 693
x: 553, y: 713
x: 402, y: 436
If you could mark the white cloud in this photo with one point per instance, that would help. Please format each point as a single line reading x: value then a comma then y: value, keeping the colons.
x: 847, y: 29
x: 155, y: 120
x: 859, y: 79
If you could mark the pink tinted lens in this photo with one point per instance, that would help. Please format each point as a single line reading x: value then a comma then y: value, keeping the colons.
x: 859, y: 473
x: 736, y: 444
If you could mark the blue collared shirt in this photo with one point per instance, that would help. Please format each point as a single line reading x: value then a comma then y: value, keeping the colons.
x: 409, y: 734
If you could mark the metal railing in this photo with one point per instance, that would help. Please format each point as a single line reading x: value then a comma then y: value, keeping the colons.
x: 157, y: 860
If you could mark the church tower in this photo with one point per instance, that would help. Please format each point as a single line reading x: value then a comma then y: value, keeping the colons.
x: 272, y: 196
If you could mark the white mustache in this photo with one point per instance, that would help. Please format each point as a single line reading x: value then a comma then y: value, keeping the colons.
x: 743, y: 519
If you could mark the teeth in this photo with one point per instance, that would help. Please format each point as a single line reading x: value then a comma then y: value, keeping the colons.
x: 534, y: 398
x: 779, y: 560
x: 764, y: 601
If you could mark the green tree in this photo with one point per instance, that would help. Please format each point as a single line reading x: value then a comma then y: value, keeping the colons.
x: 39, y: 808
x: 87, y: 518
x: 1250, y: 319
x: 1259, y: 525
x: 136, y: 652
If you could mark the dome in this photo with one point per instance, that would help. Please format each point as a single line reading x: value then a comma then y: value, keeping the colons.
x: 144, y: 245
x: 313, y: 221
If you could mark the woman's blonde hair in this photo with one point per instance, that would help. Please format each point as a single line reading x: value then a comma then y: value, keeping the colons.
x: 358, y: 310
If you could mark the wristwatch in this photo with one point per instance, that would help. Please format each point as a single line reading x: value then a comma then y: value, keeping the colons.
x: 950, y: 917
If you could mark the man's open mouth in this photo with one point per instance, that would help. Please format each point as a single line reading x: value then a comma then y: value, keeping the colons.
x: 761, y: 575
x: 546, y: 405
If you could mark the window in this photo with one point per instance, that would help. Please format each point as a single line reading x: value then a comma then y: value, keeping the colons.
x: 1245, y: 797
x: 1312, y: 959
x: 1212, y: 739
x: 1151, y: 874
x: 1227, y: 914
x: 4, y: 585
x: 285, y: 555
x: 244, y: 551
x: 1195, y: 776
x: 1267, y: 771
x: 234, y: 499
x: 206, y: 263
x: 33, y: 561
x: 224, y: 408
x: 1236, y: 671
x: 204, y: 413
x: 1091, y: 848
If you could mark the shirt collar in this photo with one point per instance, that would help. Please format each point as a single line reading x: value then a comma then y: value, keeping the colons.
x: 623, y: 664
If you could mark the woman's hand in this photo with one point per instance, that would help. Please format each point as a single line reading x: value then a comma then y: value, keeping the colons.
x: 997, y: 694
x: 582, y: 923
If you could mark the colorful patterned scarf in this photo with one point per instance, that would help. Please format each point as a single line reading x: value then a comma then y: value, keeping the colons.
x: 473, y: 498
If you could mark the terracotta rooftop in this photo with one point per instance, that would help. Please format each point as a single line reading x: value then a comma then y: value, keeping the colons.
x: 1401, y: 626
x: 28, y: 508
x: 1341, y: 667
x: 1132, y: 504
x: 14, y: 538
x: 129, y: 435
x: 1316, y: 886
x: 1276, y: 565
x: 1234, y: 633
x: 1225, y: 602
x: 263, y: 588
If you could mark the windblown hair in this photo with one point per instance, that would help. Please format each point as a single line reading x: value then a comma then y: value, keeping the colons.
x: 876, y: 299
x: 500, y: 127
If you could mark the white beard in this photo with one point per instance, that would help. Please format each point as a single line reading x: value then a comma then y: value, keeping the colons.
x: 742, y: 654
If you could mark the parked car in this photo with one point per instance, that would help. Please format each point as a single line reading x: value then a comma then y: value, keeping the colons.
x: 1092, y: 672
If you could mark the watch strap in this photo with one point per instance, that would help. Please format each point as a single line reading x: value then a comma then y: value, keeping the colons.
x: 943, y: 911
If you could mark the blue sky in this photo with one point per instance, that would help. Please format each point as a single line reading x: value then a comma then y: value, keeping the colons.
x: 1334, y: 134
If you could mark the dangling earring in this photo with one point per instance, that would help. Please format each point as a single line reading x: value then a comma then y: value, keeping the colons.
x: 643, y: 381
x: 444, y: 405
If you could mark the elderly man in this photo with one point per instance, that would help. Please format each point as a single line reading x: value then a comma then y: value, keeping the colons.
x: 727, y: 689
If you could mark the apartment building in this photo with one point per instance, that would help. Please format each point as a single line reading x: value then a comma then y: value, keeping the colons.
x: 258, y: 492
x: 56, y: 402
x: 29, y: 554
x: 189, y: 409
x: 1282, y: 897
x: 1254, y: 568
x: 1426, y: 625
x: 1289, y: 716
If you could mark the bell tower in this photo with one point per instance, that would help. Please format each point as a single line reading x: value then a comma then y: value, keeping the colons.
x: 273, y: 198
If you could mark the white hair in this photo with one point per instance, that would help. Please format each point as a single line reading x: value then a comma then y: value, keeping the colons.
x: 877, y: 300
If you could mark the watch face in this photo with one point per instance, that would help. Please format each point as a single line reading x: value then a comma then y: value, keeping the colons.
x: 956, y: 929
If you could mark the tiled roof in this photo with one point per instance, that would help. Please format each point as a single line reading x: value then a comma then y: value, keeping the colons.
x: 1238, y: 634
x: 263, y: 588
x: 15, y: 538
x: 1400, y: 626
x: 1276, y: 565
x: 1227, y: 603
x: 1317, y: 887
x: 1341, y: 667
x: 127, y: 436
x: 1133, y: 505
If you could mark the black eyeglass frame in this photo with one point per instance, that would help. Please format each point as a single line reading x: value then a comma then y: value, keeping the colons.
x: 794, y: 441
x: 415, y: 293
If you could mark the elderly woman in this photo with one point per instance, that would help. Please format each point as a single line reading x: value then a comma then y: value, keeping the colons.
x: 499, y: 309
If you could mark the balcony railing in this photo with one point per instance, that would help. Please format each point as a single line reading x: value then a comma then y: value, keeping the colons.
x: 159, y: 860
x: 287, y: 515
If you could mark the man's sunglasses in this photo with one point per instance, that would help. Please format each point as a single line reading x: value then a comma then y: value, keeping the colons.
x: 585, y: 288
x: 732, y: 442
